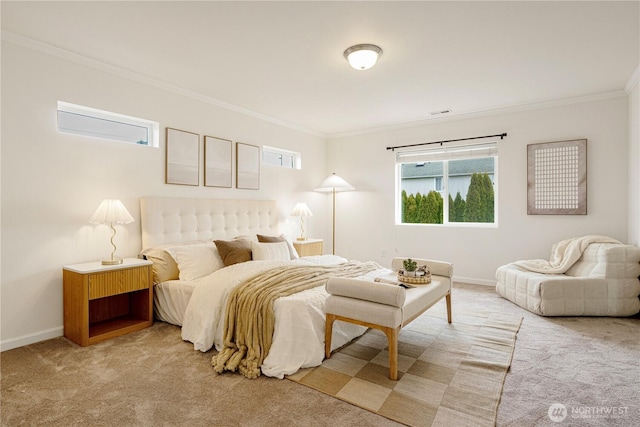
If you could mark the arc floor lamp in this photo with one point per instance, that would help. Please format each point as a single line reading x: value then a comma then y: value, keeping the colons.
x: 334, y: 184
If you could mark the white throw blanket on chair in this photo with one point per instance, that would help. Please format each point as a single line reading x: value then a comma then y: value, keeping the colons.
x: 563, y: 255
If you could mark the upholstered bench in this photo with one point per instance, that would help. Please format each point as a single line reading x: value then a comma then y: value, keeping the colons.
x: 384, y: 306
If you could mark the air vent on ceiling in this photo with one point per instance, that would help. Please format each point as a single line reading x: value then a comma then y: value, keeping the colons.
x: 436, y: 113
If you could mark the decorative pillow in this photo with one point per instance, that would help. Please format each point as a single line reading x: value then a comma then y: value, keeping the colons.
x: 196, y: 261
x: 164, y: 266
x: 270, y: 251
x: 293, y: 254
x: 234, y: 251
x: 270, y: 239
x: 245, y: 237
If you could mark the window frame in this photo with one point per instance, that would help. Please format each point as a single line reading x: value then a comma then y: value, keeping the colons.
x: 439, y: 156
x: 153, y: 128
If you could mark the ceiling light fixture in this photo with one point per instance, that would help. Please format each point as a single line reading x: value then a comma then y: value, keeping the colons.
x: 363, y: 56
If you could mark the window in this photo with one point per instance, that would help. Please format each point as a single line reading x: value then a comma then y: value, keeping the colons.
x: 80, y: 120
x: 283, y: 158
x: 447, y: 185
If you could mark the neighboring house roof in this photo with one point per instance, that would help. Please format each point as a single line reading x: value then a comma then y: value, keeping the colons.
x: 434, y: 169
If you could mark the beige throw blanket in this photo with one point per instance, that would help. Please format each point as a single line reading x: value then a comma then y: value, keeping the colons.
x: 250, y: 320
x: 563, y: 255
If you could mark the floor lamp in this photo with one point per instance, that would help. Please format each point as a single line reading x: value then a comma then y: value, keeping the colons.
x: 333, y: 183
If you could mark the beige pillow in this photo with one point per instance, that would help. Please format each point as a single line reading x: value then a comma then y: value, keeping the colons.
x: 234, y: 251
x: 270, y: 239
x: 293, y: 254
x: 164, y: 266
x: 270, y: 251
x: 195, y: 261
x: 245, y: 237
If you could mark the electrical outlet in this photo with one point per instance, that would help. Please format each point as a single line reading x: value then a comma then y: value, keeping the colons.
x: 383, y: 253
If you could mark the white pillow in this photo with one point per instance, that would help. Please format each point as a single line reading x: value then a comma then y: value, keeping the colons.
x: 270, y: 251
x: 195, y: 261
x: 263, y: 238
x: 292, y: 249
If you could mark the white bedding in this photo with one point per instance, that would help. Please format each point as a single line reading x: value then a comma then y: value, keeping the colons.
x: 298, y: 340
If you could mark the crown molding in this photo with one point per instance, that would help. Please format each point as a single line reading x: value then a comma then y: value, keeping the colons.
x: 150, y: 81
x: 482, y: 113
x: 39, y: 46
x: 633, y: 80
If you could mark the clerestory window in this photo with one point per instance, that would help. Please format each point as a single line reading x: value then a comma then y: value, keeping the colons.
x: 87, y: 121
x: 284, y: 158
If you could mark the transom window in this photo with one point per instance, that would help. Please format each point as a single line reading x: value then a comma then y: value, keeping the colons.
x: 283, y: 158
x: 87, y: 121
x: 447, y: 185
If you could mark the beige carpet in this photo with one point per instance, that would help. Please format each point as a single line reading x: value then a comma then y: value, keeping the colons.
x: 449, y: 374
x: 153, y: 378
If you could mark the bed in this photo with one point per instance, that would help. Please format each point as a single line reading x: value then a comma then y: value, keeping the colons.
x: 193, y: 279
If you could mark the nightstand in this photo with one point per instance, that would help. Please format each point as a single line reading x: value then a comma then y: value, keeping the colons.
x: 106, y: 301
x: 308, y: 247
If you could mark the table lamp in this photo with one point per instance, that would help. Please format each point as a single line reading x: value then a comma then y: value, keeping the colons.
x: 303, y: 211
x: 111, y: 211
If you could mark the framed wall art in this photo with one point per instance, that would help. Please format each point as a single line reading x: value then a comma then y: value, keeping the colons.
x: 247, y: 166
x: 557, y: 178
x: 217, y: 162
x: 183, y: 157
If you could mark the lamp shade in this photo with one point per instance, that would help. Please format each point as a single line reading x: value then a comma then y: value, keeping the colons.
x: 334, y: 182
x: 363, y: 56
x: 302, y: 210
x: 111, y: 211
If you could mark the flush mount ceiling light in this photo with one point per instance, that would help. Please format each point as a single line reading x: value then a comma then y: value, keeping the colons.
x: 363, y: 56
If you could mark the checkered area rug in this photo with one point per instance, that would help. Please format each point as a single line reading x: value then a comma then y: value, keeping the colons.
x: 448, y: 374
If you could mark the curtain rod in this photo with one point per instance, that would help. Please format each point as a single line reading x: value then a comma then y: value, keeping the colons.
x: 501, y: 135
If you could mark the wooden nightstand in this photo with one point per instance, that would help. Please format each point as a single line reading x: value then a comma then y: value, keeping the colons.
x: 106, y: 301
x: 308, y: 247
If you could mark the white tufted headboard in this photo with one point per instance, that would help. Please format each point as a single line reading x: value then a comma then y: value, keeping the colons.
x: 174, y: 220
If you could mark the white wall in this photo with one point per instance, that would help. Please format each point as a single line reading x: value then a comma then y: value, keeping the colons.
x: 634, y: 165
x: 365, y: 218
x: 52, y: 182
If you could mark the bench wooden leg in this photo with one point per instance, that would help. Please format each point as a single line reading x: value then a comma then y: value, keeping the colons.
x: 392, y: 339
x: 448, y: 298
x: 328, y: 332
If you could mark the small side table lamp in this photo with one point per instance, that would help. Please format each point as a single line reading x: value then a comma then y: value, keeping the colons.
x: 303, y: 211
x: 109, y: 212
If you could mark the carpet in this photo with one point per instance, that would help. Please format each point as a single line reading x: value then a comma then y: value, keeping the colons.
x: 448, y: 374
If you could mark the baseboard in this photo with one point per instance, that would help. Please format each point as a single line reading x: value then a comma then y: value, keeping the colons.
x: 31, y: 338
x: 474, y: 281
